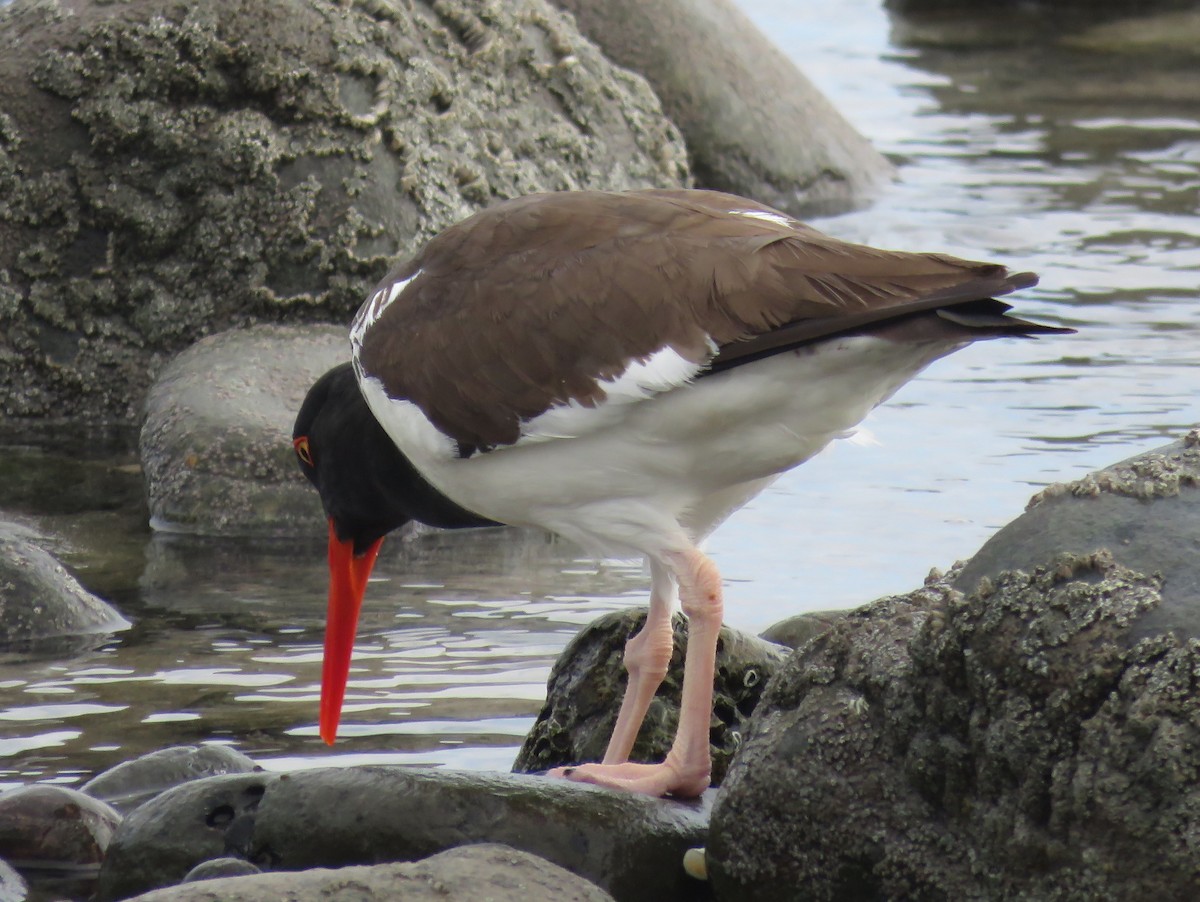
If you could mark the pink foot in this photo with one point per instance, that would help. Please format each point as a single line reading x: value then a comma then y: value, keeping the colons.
x: 649, y: 779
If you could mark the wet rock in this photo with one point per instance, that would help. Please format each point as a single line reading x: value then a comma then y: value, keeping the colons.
x: 54, y: 828
x: 223, y: 867
x: 754, y: 124
x: 492, y: 872
x: 41, y: 605
x: 631, y: 846
x: 12, y: 885
x: 801, y: 629
x: 588, y: 681
x: 1144, y: 510
x: 131, y: 783
x: 217, y: 442
x: 171, y: 170
x: 1018, y: 742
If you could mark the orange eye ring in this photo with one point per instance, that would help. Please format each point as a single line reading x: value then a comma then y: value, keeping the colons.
x: 303, y: 451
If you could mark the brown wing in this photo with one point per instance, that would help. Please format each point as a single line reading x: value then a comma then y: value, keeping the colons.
x: 531, y: 302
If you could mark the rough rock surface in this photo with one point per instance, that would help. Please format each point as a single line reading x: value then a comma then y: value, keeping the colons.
x: 42, y: 604
x: 216, y: 446
x: 1144, y: 510
x: 1019, y: 742
x: 493, y: 872
x: 133, y: 782
x: 754, y: 124
x: 588, y: 681
x: 632, y: 846
x: 171, y: 169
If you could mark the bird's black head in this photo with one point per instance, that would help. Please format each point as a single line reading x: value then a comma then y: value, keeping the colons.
x: 368, y: 488
x: 350, y: 459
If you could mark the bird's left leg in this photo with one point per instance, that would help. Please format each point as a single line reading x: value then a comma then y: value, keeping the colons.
x: 685, y: 772
x: 646, y: 658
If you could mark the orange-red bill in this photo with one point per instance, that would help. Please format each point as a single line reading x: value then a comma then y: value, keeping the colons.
x: 347, y: 584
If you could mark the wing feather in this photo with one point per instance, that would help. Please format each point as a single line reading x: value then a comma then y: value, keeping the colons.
x: 538, y: 302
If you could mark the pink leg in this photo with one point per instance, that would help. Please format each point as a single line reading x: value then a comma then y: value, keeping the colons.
x: 646, y: 658
x: 686, y: 770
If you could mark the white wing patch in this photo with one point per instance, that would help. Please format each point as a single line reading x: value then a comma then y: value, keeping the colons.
x: 766, y: 216
x: 373, y: 308
x: 664, y: 370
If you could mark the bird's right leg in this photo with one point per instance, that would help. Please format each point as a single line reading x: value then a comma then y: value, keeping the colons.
x: 646, y: 658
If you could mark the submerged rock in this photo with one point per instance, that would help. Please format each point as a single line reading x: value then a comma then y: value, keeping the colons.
x: 1027, y: 740
x: 494, y: 872
x: 588, y: 681
x: 217, y: 442
x: 754, y: 124
x: 43, y: 606
x: 170, y: 170
x: 131, y: 783
x: 632, y: 846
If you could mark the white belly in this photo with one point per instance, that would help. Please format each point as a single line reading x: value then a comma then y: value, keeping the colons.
x: 670, y: 468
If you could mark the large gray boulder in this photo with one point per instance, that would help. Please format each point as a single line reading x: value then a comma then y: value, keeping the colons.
x: 754, y: 124
x: 1028, y: 740
x: 632, y: 846
x: 493, y: 872
x: 216, y: 445
x: 171, y: 169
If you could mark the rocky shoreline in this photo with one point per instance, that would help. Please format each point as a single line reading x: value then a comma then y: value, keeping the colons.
x: 196, y: 198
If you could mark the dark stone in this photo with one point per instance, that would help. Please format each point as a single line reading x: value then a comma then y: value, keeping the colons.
x: 169, y: 170
x: 161, y: 841
x: 216, y: 868
x: 632, y: 846
x: 1144, y: 510
x: 801, y: 629
x: 42, y: 607
x: 754, y: 124
x: 216, y: 446
x: 1019, y: 742
x: 54, y: 828
x: 493, y: 872
x: 588, y: 681
x: 131, y: 783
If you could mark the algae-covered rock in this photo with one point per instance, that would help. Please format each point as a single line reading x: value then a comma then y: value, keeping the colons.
x: 1144, y: 510
x: 589, y: 678
x: 1023, y: 741
x: 170, y: 169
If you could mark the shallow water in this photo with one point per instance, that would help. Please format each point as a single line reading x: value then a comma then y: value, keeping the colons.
x: 1014, y: 142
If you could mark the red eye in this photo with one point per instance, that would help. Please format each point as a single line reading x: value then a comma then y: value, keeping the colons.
x: 303, y: 451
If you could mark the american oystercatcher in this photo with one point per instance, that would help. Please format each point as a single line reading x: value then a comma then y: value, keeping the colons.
x: 625, y: 370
